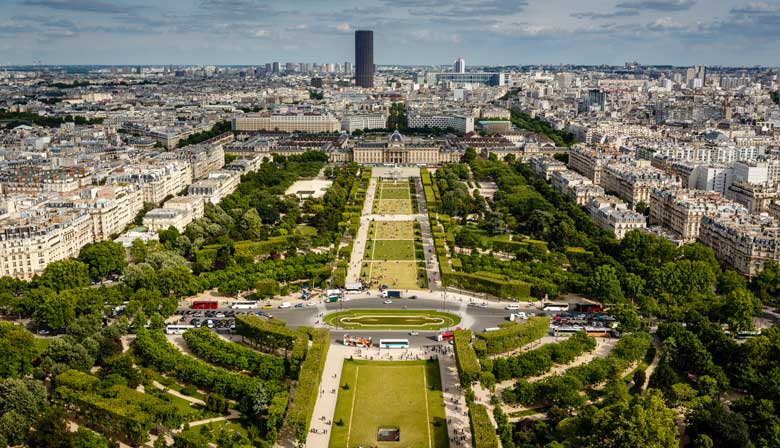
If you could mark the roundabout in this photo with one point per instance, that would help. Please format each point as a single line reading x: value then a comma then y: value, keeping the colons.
x: 391, y: 320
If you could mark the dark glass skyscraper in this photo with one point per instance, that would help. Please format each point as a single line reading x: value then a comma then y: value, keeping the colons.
x: 364, y: 58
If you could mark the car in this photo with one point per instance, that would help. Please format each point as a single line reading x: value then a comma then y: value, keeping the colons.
x: 312, y: 303
x: 195, y: 322
x: 219, y: 315
x: 284, y: 305
x: 267, y: 306
x: 299, y: 305
x: 387, y: 302
x: 412, y: 297
x: 512, y: 306
x: 414, y: 333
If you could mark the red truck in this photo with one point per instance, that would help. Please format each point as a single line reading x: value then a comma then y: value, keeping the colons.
x: 445, y: 337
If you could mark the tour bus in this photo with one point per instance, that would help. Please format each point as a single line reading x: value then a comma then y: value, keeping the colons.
x: 444, y: 337
x: 205, y: 305
x: 177, y: 329
x: 244, y: 305
x: 489, y: 329
x: 552, y: 306
x: 393, y: 343
x: 357, y: 341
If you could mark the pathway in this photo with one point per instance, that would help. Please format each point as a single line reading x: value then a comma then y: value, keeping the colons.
x: 325, y: 406
x: 653, y: 364
x: 359, y: 242
x: 429, y: 251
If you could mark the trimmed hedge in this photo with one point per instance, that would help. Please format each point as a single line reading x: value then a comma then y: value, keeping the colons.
x: 271, y: 335
x: 541, y: 360
x: 207, y: 345
x: 465, y: 357
x: 152, y: 349
x: 302, y: 405
x: 564, y: 390
x: 513, y: 335
x: 504, y: 288
x: 484, y: 435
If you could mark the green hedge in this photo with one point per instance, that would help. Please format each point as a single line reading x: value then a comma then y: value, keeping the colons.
x: 481, y: 427
x: 564, y: 390
x: 152, y: 349
x: 514, y: 335
x: 465, y: 357
x: 538, y: 361
x: 306, y: 392
x: 207, y: 345
x: 504, y: 288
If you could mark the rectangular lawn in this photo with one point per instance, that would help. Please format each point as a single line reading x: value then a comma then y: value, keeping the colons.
x: 395, y: 274
x: 393, y: 207
x: 393, y: 250
x: 394, y: 230
x: 395, y: 193
x: 404, y: 395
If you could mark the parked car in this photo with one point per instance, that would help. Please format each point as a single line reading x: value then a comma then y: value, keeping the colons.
x: 284, y: 305
x: 414, y: 333
x: 387, y: 302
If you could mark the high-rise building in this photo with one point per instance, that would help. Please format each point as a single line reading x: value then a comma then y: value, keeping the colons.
x: 701, y: 72
x: 364, y: 58
x: 275, y: 67
x: 268, y: 67
x: 460, y: 65
x: 347, y: 67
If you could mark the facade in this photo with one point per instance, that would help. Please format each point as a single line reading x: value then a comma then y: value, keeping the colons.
x: 462, y: 123
x: 682, y: 210
x: 613, y: 215
x: 743, y: 242
x: 364, y: 58
x: 496, y: 79
x: 351, y: 123
x: 286, y: 123
x: 157, y: 182
x: 756, y: 197
x: 161, y: 218
x: 29, y: 243
x: 114, y: 209
x: 398, y: 150
x: 218, y: 185
x: 634, y: 182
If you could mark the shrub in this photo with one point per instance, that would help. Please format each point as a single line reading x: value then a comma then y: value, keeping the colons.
x: 481, y: 427
x: 465, y: 357
x: 514, y: 335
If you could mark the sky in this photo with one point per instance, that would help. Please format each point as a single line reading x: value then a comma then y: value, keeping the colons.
x: 406, y: 32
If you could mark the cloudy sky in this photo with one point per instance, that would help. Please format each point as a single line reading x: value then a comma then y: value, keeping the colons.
x: 681, y: 32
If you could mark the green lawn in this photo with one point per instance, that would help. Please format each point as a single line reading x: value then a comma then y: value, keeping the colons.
x: 404, y: 395
x: 395, y: 193
x: 395, y: 274
x: 393, y: 230
x: 393, y: 250
x: 393, y: 206
x: 392, y: 319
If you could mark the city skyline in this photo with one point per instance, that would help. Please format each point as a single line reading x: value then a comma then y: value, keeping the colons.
x: 431, y: 32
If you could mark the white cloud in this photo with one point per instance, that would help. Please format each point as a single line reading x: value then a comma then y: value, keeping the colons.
x: 262, y: 33
x: 344, y: 27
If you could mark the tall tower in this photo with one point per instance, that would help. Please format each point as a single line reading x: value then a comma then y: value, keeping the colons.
x: 364, y: 58
x: 460, y: 65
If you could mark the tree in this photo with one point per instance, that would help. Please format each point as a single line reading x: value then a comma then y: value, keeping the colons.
x: 643, y: 421
x: 739, y: 308
x: 56, y: 312
x: 605, y: 285
x: 251, y: 225
x: 138, y: 251
x: 103, y: 258
x: 64, y: 274
x: 767, y: 284
x: 726, y: 429
x: 51, y: 431
x: 18, y: 349
x: 21, y: 401
x: 469, y: 155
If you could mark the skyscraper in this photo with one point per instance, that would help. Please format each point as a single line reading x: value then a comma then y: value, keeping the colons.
x: 364, y: 58
x: 460, y: 65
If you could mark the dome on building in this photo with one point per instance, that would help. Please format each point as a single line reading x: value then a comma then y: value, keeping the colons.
x: 396, y: 138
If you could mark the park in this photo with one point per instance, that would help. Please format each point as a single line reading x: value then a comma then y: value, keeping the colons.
x: 392, y: 320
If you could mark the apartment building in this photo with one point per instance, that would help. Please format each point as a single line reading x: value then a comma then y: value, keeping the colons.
x: 634, y: 181
x: 590, y: 162
x: 578, y: 188
x: 161, y: 218
x: 113, y: 209
x: 218, y: 185
x: 743, y: 242
x: 194, y: 204
x: 156, y: 181
x: 32, y: 240
x: 614, y: 215
x: 681, y: 210
x: 302, y: 122
x: 203, y: 159
x: 756, y: 197
x: 546, y: 166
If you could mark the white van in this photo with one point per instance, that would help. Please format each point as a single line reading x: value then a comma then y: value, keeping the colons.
x: 285, y: 305
x: 518, y: 316
x: 512, y: 306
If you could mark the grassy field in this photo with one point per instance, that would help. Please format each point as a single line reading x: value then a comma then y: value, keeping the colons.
x: 395, y: 192
x: 395, y: 274
x: 393, y: 230
x: 402, y: 250
x: 392, y: 319
x: 393, y: 207
x: 403, y: 395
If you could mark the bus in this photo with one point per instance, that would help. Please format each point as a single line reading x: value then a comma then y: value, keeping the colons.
x: 205, y: 305
x: 244, y: 305
x: 394, y: 343
x: 357, y: 341
x: 552, y: 306
x: 177, y: 329
x: 444, y: 337
x: 489, y: 329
